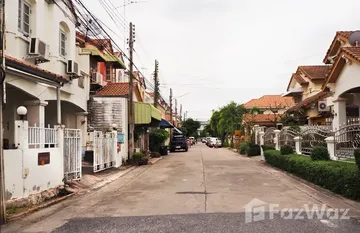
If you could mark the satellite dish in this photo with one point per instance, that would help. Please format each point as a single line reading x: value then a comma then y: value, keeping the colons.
x: 354, y: 38
x: 89, y: 27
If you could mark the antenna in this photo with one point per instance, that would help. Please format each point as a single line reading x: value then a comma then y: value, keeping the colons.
x: 354, y: 39
x: 89, y: 27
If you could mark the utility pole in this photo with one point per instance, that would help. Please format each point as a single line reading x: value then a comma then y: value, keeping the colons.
x: 156, y: 83
x: 171, y: 111
x: 181, y: 113
x: 2, y: 98
x: 131, y: 92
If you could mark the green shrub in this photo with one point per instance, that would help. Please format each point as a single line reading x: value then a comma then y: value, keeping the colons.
x: 320, y: 153
x: 286, y: 150
x: 339, y: 177
x: 243, y: 147
x: 265, y: 148
x: 139, y: 159
x: 225, y: 143
x: 253, y: 150
x: 357, y: 158
x: 156, y: 138
x: 155, y: 155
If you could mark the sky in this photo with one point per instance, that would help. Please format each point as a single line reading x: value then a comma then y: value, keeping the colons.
x: 212, y: 52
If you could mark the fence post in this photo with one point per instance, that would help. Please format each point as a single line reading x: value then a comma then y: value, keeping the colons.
x: 262, y: 143
x: 276, y: 139
x: 22, y: 134
x: 256, y: 127
x: 60, y: 139
x: 118, y: 159
x: 298, y: 145
x: 330, y: 141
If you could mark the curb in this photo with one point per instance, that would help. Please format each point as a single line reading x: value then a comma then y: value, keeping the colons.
x: 97, y: 186
x: 155, y: 160
x: 36, y: 208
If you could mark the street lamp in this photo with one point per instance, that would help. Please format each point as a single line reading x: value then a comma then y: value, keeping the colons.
x: 21, y: 111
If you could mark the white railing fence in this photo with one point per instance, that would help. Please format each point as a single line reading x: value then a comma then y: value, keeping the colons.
x: 39, y: 137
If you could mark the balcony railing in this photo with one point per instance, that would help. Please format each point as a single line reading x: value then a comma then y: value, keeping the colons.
x: 42, y: 137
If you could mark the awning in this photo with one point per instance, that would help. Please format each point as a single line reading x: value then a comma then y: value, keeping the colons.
x: 293, y: 92
x: 116, y: 62
x: 146, y: 114
x: 177, y: 131
x: 165, y: 124
x: 96, y: 53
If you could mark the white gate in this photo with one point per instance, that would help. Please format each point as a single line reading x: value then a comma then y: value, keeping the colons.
x: 104, y: 150
x: 72, y: 154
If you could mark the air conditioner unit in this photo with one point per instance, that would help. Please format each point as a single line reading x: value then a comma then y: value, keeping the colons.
x: 97, y: 78
x: 37, y: 48
x: 322, y: 107
x: 72, y: 67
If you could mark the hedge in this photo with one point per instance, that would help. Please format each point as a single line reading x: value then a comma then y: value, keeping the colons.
x: 243, y: 147
x: 338, y: 177
x: 357, y: 157
x: 253, y: 150
x: 265, y: 147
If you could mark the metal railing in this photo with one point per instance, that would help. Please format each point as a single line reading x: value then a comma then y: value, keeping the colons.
x: 39, y: 137
x: 347, y: 139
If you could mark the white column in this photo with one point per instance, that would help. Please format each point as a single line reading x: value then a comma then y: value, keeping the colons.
x: 330, y: 141
x: 36, y: 112
x: 118, y: 157
x: 60, y: 138
x: 81, y: 123
x: 276, y: 139
x: 298, y: 145
x: 22, y: 135
x: 256, y: 128
x: 262, y: 143
x: 339, y: 113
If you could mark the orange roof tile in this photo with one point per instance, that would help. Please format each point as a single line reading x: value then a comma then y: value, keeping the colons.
x: 262, y: 118
x: 316, y: 72
x: 268, y: 101
x: 353, y: 52
x: 114, y: 89
x: 57, y: 77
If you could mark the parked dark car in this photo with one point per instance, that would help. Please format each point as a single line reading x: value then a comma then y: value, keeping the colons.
x: 179, y: 142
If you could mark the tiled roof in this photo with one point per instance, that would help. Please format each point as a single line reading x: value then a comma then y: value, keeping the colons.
x: 54, y: 77
x: 343, y: 35
x: 308, y: 101
x: 268, y: 101
x: 298, y: 78
x: 316, y: 72
x: 353, y: 52
x: 262, y: 118
x: 114, y: 89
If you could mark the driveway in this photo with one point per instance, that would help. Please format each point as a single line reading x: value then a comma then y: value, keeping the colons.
x: 203, y: 190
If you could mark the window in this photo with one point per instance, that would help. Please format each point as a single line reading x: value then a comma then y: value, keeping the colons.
x: 108, y: 72
x: 114, y: 75
x: 24, y: 17
x: 62, y: 43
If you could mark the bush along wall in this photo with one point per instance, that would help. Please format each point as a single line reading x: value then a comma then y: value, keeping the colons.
x: 338, y: 177
x: 286, y: 150
x: 253, y: 150
x: 243, y: 147
x: 357, y: 158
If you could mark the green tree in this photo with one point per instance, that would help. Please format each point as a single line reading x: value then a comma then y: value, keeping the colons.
x: 191, y: 126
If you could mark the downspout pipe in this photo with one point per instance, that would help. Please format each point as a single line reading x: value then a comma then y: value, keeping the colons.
x: 58, y: 105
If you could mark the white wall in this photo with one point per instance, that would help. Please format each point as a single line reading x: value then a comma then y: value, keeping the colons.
x: 349, y: 78
x: 13, y: 174
x: 39, y: 178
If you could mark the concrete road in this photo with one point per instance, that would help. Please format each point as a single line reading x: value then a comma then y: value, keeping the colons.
x: 203, y: 190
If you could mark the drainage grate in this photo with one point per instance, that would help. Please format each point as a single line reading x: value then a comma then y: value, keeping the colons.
x: 201, y: 193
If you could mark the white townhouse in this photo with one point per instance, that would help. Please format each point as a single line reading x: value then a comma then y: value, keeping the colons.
x: 43, y: 74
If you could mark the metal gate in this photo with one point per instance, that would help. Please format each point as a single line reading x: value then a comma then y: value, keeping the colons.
x: 347, y: 140
x: 104, y: 150
x: 72, y: 154
x: 287, y: 137
x: 313, y: 136
x: 269, y: 137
